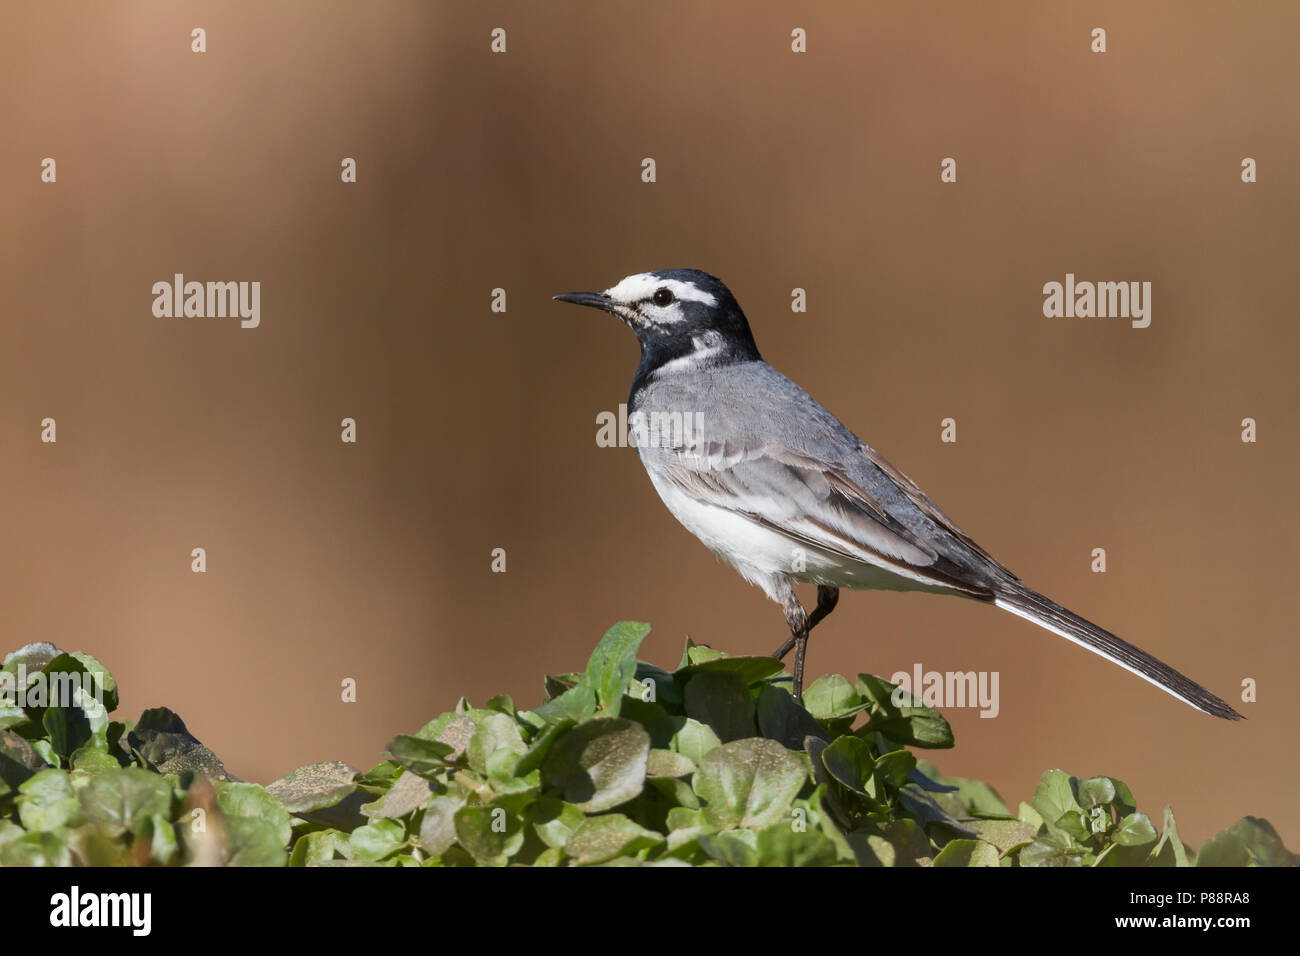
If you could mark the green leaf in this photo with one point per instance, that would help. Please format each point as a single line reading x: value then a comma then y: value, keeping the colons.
x: 18, y: 759
x: 1123, y: 800
x: 524, y: 789
x: 160, y: 835
x: 9, y: 831
x: 250, y: 800
x: 749, y: 783
x: 1170, y: 850
x: 782, y: 845
x: 105, y: 688
x: 554, y: 820
x: 551, y: 856
x: 425, y: 758
x: 161, y: 738
x: 694, y: 740
x: 1054, y: 799
x: 813, y: 748
x: 832, y: 697
x: 1006, y: 835
x: 1029, y: 816
x: 599, y: 764
x: 1073, y: 823
x: 849, y: 760
x: 749, y: 669
x: 48, y: 848
x: 602, y: 838
x: 910, y: 723
x: 898, y: 843
x: 405, y: 796
x: 732, y: 847
x: 574, y: 706
x: 92, y: 760
x: 540, y: 747
x: 781, y: 719
x: 1096, y: 792
x: 454, y: 730
x: 530, y: 722
x: 925, y: 782
x: 698, y: 654
x: 320, y: 846
x: 929, y: 811
x: 501, y: 766
x: 892, y: 768
x: 820, y: 813
x: 67, y: 729
x: 46, y: 752
x: 380, y: 777
x: 491, y: 833
x: 1251, y: 841
x: 666, y: 691
x: 557, y: 684
x: 979, y: 799
x: 667, y: 763
x: 73, y: 709
x: 1050, y: 849
x: 375, y: 841
x: 722, y: 701
x: 33, y: 657
x: 48, y: 802
x: 967, y: 853
x: 314, y: 787
x: 685, y: 825
x: 676, y: 792
x: 613, y: 664
x: 496, y: 733
x: 438, y: 828
x: 655, y: 718
x: 116, y: 800
x: 1134, y: 830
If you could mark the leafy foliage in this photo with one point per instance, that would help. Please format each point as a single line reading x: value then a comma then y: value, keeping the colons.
x: 624, y: 763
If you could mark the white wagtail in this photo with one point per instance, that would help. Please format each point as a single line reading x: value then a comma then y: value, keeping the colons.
x: 775, y: 485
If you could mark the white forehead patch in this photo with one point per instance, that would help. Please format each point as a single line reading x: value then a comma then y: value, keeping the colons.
x: 643, y: 285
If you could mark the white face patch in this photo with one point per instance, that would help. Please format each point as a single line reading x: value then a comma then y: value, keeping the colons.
x: 643, y: 285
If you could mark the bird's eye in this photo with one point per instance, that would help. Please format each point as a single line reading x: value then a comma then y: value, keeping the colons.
x: 662, y: 297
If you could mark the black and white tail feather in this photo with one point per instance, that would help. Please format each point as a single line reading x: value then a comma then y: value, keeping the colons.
x: 1046, y: 613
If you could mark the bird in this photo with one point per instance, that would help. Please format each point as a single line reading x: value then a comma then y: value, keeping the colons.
x: 779, y: 488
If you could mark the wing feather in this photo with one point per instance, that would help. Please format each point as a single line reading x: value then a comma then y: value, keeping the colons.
x: 819, y: 504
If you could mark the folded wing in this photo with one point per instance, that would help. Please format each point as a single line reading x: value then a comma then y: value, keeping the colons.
x: 823, y: 505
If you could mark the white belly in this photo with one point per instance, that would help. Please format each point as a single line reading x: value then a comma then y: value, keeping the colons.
x: 763, y: 555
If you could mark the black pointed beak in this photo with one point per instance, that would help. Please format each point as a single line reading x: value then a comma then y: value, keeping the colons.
x: 597, y: 300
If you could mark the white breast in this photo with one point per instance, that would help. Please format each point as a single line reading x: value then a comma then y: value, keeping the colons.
x: 763, y: 556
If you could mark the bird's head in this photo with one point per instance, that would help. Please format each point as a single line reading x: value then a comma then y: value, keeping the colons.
x: 680, y: 315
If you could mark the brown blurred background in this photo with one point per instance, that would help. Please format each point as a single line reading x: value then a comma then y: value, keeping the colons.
x: 477, y: 429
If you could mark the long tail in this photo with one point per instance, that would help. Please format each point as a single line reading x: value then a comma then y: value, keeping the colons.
x: 1018, y: 599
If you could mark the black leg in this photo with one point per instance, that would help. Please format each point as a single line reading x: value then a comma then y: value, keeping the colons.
x: 800, y: 623
x: 797, y: 620
x: 827, y: 598
x: 800, y: 648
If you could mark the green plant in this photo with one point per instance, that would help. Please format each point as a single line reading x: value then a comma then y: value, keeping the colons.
x: 623, y: 763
